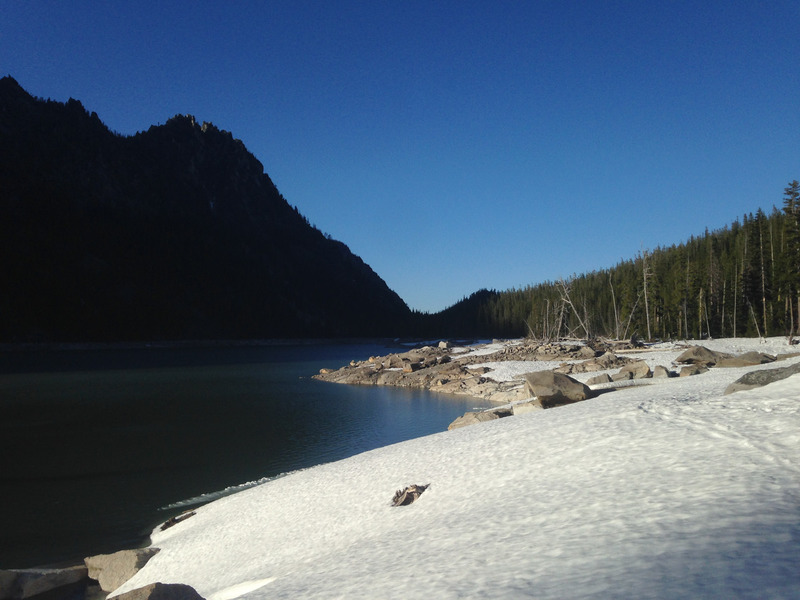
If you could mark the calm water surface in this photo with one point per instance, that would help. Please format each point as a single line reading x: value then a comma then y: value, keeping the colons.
x: 99, y: 446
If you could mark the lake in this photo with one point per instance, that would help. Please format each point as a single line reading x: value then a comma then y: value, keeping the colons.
x: 98, y: 446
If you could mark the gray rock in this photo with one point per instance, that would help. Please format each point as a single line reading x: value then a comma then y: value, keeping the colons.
x: 555, y: 389
x: 410, y: 367
x: 112, y: 570
x: 622, y: 376
x: 638, y: 370
x: 695, y: 369
x: 472, y: 418
x: 598, y: 379
x: 700, y: 355
x: 755, y: 379
x: 660, y: 371
x: 26, y: 583
x: 7, y: 581
x: 526, y: 407
x: 162, y: 591
x: 748, y: 359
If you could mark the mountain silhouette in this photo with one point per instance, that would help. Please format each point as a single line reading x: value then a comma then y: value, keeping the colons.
x: 170, y: 234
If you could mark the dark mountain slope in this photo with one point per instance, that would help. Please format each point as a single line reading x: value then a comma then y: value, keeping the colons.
x: 174, y: 233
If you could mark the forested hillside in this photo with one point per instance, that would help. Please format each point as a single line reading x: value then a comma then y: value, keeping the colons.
x: 742, y: 280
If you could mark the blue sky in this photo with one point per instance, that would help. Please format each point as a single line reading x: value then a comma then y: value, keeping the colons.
x: 456, y: 145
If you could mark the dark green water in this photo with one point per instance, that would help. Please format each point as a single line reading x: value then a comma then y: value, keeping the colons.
x: 99, y: 446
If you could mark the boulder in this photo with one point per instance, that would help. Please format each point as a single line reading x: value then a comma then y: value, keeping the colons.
x: 472, y: 418
x: 112, y: 570
x: 598, y: 379
x: 393, y: 361
x: 700, y: 355
x: 690, y: 370
x: 638, y: 369
x: 443, y: 345
x: 162, y: 591
x: 622, y: 376
x: 526, y: 407
x: 660, y: 371
x: 609, y: 360
x: 748, y: 359
x: 555, y: 389
x: 410, y: 367
x: 755, y: 379
x: 27, y: 583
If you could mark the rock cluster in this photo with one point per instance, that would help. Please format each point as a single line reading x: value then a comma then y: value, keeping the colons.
x: 95, y: 578
x: 440, y: 369
x: 429, y: 367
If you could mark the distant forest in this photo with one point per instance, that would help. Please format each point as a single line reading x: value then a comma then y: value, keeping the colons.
x: 742, y: 280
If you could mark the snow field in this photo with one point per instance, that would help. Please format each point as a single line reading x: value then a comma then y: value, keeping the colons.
x: 650, y: 492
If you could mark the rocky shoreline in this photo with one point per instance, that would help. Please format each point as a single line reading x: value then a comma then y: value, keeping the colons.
x: 464, y: 371
x: 450, y: 370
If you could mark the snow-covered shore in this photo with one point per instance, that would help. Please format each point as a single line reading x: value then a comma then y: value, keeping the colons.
x: 657, y: 491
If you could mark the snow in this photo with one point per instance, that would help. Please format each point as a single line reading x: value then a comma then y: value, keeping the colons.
x: 660, y: 491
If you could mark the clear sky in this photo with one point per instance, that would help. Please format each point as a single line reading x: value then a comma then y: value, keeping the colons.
x: 456, y: 145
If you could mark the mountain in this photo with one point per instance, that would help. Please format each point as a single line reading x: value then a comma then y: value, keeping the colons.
x: 172, y: 233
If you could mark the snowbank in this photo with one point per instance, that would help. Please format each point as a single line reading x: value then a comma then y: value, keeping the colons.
x: 649, y: 492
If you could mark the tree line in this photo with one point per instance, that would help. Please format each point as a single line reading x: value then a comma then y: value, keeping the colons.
x: 742, y: 280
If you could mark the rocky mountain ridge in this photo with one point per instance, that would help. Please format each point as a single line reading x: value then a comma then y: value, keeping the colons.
x: 173, y: 233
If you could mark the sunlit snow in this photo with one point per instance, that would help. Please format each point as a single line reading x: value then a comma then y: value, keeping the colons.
x: 660, y: 491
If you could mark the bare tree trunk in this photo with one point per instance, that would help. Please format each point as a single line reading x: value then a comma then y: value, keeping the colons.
x: 763, y: 280
x: 735, y: 293
x: 565, y: 298
x: 791, y: 317
x: 614, y: 304
x: 686, y: 300
x: 630, y: 317
x: 755, y: 320
x: 722, y: 322
x: 701, y: 302
x: 560, y: 319
x: 645, y: 277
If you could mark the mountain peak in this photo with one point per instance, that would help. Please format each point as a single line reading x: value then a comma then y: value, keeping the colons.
x: 173, y: 233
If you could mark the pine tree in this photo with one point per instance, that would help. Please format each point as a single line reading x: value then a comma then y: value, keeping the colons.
x: 791, y: 208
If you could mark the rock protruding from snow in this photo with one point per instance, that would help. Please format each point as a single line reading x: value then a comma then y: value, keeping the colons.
x: 473, y: 418
x: 661, y: 371
x: 755, y: 379
x: 748, y: 359
x: 407, y: 495
x: 694, y: 369
x: 525, y: 407
x: 162, y: 591
x: 30, y: 583
x: 599, y: 379
x: 638, y: 370
x: 112, y: 570
x: 555, y: 389
x: 700, y: 355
